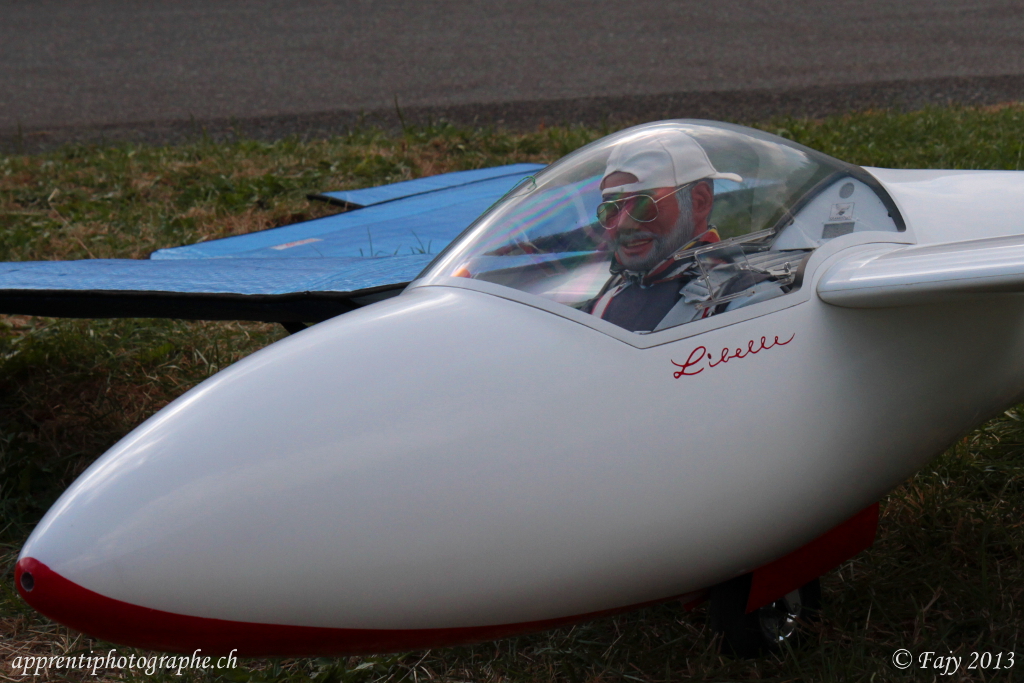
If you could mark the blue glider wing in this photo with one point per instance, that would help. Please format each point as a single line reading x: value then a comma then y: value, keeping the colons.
x: 304, y: 272
x: 271, y: 290
x: 417, y: 223
x: 409, y: 188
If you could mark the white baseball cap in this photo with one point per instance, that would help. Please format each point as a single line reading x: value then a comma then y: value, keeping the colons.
x: 666, y: 158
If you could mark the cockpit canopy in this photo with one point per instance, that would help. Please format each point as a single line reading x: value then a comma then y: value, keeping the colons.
x: 668, y: 223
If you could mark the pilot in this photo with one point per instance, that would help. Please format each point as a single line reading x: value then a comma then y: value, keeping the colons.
x: 657, y: 194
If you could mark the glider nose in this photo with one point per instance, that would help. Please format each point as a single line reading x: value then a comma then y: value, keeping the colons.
x: 40, y: 587
x: 53, y: 595
x: 382, y: 481
x: 324, y: 482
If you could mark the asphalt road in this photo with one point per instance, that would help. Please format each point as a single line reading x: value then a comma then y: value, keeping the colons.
x: 115, y: 66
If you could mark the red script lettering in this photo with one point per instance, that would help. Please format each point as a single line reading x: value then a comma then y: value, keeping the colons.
x: 699, y: 359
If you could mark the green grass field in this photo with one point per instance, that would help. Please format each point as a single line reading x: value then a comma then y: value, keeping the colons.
x: 946, y: 573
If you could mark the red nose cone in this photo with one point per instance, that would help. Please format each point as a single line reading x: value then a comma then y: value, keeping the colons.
x: 120, y: 622
x: 85, y: 610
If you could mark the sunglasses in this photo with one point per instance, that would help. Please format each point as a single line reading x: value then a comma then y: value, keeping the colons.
x: 642, y: 208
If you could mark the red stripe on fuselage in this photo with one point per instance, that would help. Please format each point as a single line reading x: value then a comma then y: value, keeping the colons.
x: 127, y: 624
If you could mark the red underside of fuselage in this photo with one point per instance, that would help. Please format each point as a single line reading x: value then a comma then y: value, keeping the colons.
x: 121, y: 622
x: 127, y: 624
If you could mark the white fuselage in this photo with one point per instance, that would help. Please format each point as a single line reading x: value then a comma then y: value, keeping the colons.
x: 468, y: 455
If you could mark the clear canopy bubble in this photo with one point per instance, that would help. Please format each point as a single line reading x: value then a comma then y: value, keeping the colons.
x: 667, y: 223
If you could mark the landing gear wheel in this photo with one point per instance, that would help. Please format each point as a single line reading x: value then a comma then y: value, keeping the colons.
x: 771, y: 628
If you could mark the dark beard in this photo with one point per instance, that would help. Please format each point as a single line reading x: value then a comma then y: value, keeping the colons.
x: 657, y: 253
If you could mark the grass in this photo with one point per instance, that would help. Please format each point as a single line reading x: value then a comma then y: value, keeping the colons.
x: 946, y: 573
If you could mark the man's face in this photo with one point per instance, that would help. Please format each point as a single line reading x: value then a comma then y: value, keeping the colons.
x: 641, y: 246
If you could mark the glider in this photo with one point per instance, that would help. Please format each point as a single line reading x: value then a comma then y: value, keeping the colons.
x: 683, y: 362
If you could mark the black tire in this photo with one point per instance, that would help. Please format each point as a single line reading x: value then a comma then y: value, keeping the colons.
x: 774, y: 627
